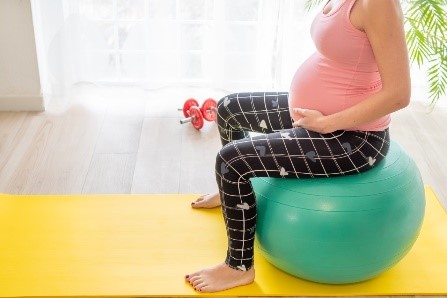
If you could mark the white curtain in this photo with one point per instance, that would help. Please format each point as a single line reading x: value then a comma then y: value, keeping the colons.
x: 224, y: 44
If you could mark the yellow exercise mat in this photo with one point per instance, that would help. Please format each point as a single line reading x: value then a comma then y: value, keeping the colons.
x: 143, y: 245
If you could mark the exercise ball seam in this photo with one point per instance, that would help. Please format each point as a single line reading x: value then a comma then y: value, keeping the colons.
x: 335, y: 197
x: 310, y: 180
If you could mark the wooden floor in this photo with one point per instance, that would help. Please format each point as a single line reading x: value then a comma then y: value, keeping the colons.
x: 127, y: 140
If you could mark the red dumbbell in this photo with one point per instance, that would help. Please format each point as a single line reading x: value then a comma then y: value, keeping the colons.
x: 187, y: 105
x: 209, y: 109
x: 195, y: 117
x: 192, y: 113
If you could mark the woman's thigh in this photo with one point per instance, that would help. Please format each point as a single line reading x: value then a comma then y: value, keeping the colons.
x: 263, y: 112
x: 300, y: 153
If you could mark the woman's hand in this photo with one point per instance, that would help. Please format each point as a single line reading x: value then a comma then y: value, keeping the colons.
x: 312, y: 120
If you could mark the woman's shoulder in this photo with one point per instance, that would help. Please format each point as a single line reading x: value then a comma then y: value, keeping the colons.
x: 370, y: 8
x: 367, y: 12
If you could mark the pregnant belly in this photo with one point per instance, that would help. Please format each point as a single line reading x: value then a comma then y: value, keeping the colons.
x: 321, y: 84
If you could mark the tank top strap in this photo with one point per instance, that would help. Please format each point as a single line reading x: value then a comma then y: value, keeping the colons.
x: 343, y: 9
x: 349, y: 4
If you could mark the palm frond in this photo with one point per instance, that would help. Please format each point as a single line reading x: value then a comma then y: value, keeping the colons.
x: 437, y: 76
x: 426, y: 26
x: 310, y: 4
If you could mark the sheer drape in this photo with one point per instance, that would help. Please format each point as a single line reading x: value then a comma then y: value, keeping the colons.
x: 224, y: 44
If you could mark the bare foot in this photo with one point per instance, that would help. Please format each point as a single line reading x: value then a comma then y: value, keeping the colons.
x: 219, y: 278
x: 207, y: 201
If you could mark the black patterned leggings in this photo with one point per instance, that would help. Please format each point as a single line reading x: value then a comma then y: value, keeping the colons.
x: 279, y: 151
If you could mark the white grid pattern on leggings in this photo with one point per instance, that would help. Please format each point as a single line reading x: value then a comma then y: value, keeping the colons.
x: 276, y: 168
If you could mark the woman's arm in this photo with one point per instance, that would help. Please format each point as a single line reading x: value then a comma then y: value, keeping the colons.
x: 382, y: 20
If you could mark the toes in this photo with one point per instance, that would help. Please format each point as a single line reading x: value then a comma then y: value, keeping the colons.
x: 205, y: 289
x: 200, y: 286
x: 190, y: 276
x: 197, y: 202
x: 207, y: 201
x: 194, y: 281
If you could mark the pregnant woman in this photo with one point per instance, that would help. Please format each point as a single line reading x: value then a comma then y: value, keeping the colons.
x: 333, y: 121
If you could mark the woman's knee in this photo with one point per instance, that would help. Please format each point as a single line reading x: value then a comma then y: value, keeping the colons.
x: 231, y: 162
x: 223, y: 107
x: 224, y: 101
x: 223, y: 158
x: 228, y: 164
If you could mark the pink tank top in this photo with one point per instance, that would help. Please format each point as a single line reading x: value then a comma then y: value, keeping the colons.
x: 341, y: 73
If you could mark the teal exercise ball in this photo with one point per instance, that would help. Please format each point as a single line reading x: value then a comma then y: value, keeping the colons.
x: 344, y: 229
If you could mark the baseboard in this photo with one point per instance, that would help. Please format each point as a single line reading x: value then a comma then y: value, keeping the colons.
x: 18, y: 103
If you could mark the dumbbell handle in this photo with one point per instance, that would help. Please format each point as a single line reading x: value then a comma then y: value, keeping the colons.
x: 186, y: 120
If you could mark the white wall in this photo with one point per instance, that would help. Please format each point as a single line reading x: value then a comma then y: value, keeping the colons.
x: 20, y: 88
